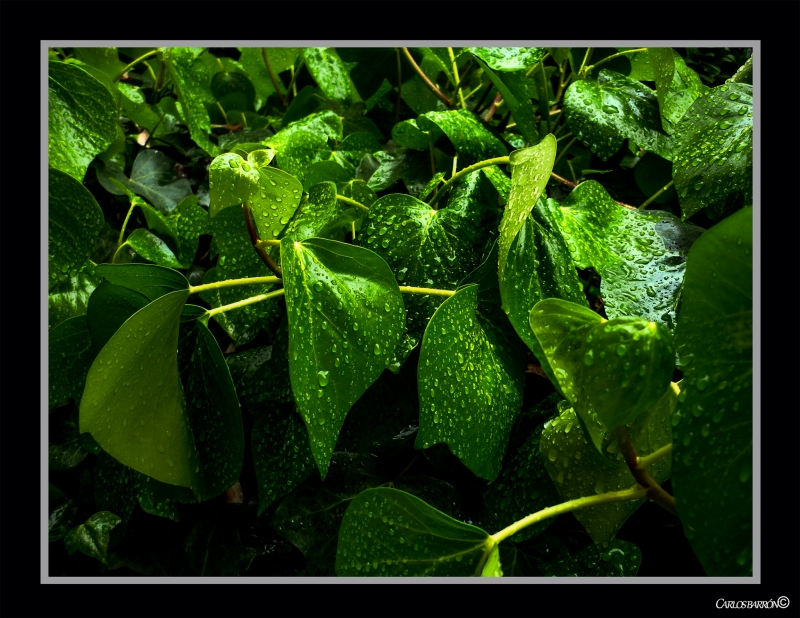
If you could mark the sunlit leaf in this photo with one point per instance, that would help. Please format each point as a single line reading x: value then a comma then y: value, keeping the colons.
x: 677, y: 86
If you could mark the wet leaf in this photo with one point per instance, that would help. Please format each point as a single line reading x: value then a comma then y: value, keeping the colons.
x: 69, y: 358
x: 604, y: 113
x: 331, y: 74
x: 109, y: 307
x: 713, y: 423
x: 515, y: 95
x: 713, y: 162
x: 347, y: 299
x: 387, y: 532
x: 640, y: 255
x: 82, y: 119
x: 70, y: 298
x: 408, y: 135
x: 153, y: 249
x: 471, y: 139
x: 92, y: 536
x: 60, y: 519
x: 470, y: 384
x: 74, y: 222
x: 619, y: 559
x: 148, y: 279
x: 677, y: 86
x: 322, y: 215
x: 509, y: 58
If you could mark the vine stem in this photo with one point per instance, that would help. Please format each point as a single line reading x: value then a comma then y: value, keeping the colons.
x: 352, y: 202
x: 655, y: 195
x: 544, y: 85
x: 128, y: 67
x: 124, y: 225
x: 251, y: 230
x: 645, y: 462
x: 295, y: 72
x: 247, y: 301
x: 441, y: 95
x: 633, y: 493
x: 433, y: 292
x: 611, y: 57
x: 464, y: 172
x: 272, y: 75
x: 230, y: 283
x: 399, y: 86
x: 581, y: 71
x: 268, y: 243
x: 572, y: 185
x: 457, y: 78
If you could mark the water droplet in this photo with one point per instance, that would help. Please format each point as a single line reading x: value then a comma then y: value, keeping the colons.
x: 322, y: 377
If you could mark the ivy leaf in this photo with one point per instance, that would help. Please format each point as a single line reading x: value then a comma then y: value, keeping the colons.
x: 512, y: 87
x: 331, y: 75
x: 388, y: 532
x: 530, y: 171
x: 470, y: 385
x: 604, y: 113
x: 70, y: 298
x: 82, y: 118
x: 193, y: 79
x: 713, y: 162
x: 347, y: 299
x: 471, y: 139
x: 60, y: 518
x: 109, y: 307
x: 408, y: 135
x: 322, y: 215
x: 610, y: 371
x: 509, y: 58
x: 69, y: 358
x: 677, y: 86
x: 231, y: 181
x: 577, y: 471
x: 148, y: 279
x: 74, y: 222
x: 713, y: 423
x: 538, y: 266
x: 92, y: 536
x: 640, y: 255
x: 153, y: 249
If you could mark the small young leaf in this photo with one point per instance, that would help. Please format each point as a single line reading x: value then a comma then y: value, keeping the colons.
x: 92, y: 536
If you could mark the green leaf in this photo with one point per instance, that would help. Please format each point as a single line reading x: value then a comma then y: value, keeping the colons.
x: 470, y: 385
x: 231, y: 181
x: 331, y: 75
x: 82, y: 118
x: 640, y: 255
x: 347, y: 299
x: 408, y: 135
x: 512, y: 87
x: 252, y: 61
x: 677, y: 86
x: 530, y: 171
x: 153, y: 177
x: 281, y: 454
x: 133, y: 105
x: 70, y: 354
x: 538, y: 266
x: 193, y: 79
x: 577, y: 471
x: 325, y: 171
x: 509, y: 58
x: 359, y: 191
x: 321, y: 215
x: 148, y: 279
x: 60, y: 519
x: 641, y: 65
x: 493, y: 568
x: 64, y: 450
x: 471, y: 139
x: 604, y: 113
x: 713, y: 434
x: 74, y: 222
x: 713, y: 162
x: 261, y: 375
x: 153, y: 249
x: 104, y: 60
x: 70, y: 298
x: 387, y: 532
x: 109, y: 307
x: 92, y: 536
x: 419, y: 97
x: 652, y: 173
x: 610, y: 371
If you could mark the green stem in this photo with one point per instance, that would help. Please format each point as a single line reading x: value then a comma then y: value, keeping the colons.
x: 295, y: 73
x: 247, y: 301
x: 564, y: 150
x: 152, y: 73
x: 611, y: 57
x: 654, y: 491
x: 116, y: 253
x: 124, y: 224
x: 457, y: 78
x: 254, y: 240
x: 632, y: 493
x: 441, y: 95
x: 134, y: 63
x: 655, y: 195
x: 230, y: 283
x: 464, y: 172
x: 645, y: 462
x: 399, y: 87
x: 224, y: 115
x: 268, y: 243
x: 581, y: 71
x: 544, y: 111
x: 347, y: 200
x: 433, y: 292
x: 272, y: 76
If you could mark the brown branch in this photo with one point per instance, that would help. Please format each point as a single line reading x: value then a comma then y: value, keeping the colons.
x: 441, y: 95
x: 261, y: 251
x: 498, y: 97
x: 572, y: 185
x: 654, y: 491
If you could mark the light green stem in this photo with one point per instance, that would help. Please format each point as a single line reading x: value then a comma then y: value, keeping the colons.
x: 247, y: 301
x: 116, y: 253
x: 230, y: 283
x: 347, y: 200
x: 124, y: 224
x: 645, y: 462
x: 633, y: 493
x: 564, y: 150
x: 655, y: 195
x: 581, y: 71
x: 611, y: 57
x: 135, y: 62
x: 464, y: 172
x: 433, y: 292
x: 268, y: 243
x: 544, y: 111
x: 457, y: 78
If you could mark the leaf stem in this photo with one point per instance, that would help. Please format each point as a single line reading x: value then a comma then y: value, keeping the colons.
x: 124, y: 225
x: 632, y: 493
x: 581, y: 71
x: 230, y: 283
x: 544, y: 87
x: 564, y: 150
x: 399, y: 86
x: 654, y: 491
x: 441, y: 95
x: 352, y: 202
x: 433, y: 292
x: 268, y: 243
x: 295, y: 73
x: 656, y: 194
x: 645, y: 462
x: 611, y: 57
x: 247, y: 301
x: 272, y: 75
x: 458, y: 79
x: 464, y: 172
x: 251, y: 230
x: 116, y: 253
x: 135, y: 62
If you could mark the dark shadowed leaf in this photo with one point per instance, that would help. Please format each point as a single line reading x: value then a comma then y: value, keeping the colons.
x: 677, y: 86
x: 512, y: 87
x: 92, y: 536
x: 69, y: 358
x: 70, y: 298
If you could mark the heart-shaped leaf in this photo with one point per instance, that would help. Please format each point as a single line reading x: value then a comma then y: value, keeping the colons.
x: 718, y: 122
x: 677, y: 86
x: 470, y: 384
x: 509, y: 58
x: 70, y: 298
x: 388, y: 532
x: 82, y: 118
x: 331, y: 75
x: 74, y: 222
x: 604, y: 113
x: 322, y: 215
x: 92, y: 536
x: 346, y: 317
x: 148, y: 279
x: 713, y: 433
x: 472, y: 140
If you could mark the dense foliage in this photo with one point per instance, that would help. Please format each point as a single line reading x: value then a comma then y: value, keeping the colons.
x: 399, y: 312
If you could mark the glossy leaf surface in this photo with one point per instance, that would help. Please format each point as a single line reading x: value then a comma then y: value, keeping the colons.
x: 331, y: 74
x: 509, y: 58
x: 512, y: 87
x: 472, y: 140
x: 70, y: 297
x: 677, y: 86
x: 92, y: 536
x: 148, y: 279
